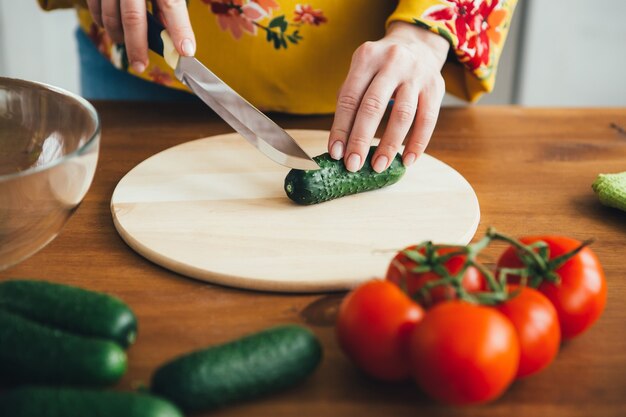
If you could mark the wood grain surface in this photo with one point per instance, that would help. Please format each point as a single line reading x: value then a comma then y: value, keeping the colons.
x: 532, y: 170
x: 197, y: 207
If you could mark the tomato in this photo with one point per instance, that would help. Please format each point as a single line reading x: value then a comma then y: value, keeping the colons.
x: 537, y: 326
x: 581, y: 296
x: 373, y: 328
x: 401, y: 268
x: 463, y: 353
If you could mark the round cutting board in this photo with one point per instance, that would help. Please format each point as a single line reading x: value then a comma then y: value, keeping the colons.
x: 215, y: 209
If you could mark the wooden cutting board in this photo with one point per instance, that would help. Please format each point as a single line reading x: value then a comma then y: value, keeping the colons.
x: 215, y: 209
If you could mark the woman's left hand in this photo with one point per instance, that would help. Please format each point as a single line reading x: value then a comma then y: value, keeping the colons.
x: 404, y: 65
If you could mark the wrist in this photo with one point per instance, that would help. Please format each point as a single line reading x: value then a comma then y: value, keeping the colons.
x: 420, y: 39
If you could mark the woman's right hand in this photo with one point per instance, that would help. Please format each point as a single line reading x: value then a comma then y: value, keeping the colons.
x: 125, y: 21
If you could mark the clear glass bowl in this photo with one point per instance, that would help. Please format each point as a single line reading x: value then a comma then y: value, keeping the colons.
x: 49, y: 144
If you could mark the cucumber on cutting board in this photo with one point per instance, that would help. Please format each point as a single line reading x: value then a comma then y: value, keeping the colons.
x: 70, y: 308
x: 258, y: 364
x: 68, y: 402
x: 333, y: 180
x: 33, y: 353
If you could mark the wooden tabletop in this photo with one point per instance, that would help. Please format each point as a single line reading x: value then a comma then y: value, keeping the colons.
x: 532, y: 170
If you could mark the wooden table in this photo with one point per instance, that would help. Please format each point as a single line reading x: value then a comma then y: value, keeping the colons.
x: 532, y: 170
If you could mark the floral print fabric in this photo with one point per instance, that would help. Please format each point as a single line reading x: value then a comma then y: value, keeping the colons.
x: 473, y: 26
x: 293, y: 55
x: 476, y: 31
x: 252, y: 16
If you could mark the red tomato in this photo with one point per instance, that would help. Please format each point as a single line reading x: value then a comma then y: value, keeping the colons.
x: 581, y: 296
x: 401, y: 268
x: 373, y: 327
x: 537, y: 326
x: 463, y: 353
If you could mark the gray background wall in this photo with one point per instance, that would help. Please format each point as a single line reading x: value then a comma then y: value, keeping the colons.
x: 38, y: 46
x: 559, y: 52
x: 573, y: 52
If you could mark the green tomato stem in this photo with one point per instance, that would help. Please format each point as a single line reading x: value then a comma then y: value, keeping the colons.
x: 558, y: 262
x: 540, y: 262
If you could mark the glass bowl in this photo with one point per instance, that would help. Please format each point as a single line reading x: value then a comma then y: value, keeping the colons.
x: 49, y: 144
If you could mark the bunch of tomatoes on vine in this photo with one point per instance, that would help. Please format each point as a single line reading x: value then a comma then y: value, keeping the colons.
x: 464, y: 333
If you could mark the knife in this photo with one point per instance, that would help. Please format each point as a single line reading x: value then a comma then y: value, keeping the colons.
x: 251, y: 123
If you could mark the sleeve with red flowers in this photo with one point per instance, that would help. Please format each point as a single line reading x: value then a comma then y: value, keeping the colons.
x: 476, y: 31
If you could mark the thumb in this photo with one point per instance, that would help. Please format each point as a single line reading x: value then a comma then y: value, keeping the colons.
x: 176, y: 20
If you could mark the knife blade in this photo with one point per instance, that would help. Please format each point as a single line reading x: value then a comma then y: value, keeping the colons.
x: 258, y: 129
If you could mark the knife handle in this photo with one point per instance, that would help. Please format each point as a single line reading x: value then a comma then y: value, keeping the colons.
x: 160, y: 42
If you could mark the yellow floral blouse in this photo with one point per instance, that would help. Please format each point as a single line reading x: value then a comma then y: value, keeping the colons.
x: 293, y: 55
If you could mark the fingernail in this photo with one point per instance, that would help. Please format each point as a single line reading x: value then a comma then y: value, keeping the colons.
x: 354, y: 162
x: 188, y: 48
x: 138, y: 67
x: 380, y: 164
x: 409, y: 159
x: 336, y: 151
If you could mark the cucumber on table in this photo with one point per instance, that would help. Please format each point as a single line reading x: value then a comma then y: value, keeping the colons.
x: 255, y: 365
x: 333, y: 180
x: 69, y: 308
x: 68, y: 402
x: 33, y: 353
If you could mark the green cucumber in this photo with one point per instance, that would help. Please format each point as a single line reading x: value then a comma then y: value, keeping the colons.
x: 70, y: 308
x: 333, y: 180
x: 33, y: 353
x: 611, y: 189
x: 68, y: 402
x: 258, y: 364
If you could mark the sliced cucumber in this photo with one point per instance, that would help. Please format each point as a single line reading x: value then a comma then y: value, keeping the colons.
x: 333, y: 180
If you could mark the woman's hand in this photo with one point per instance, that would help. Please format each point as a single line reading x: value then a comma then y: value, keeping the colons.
x: 125, y: 21
x: 406, y: 65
